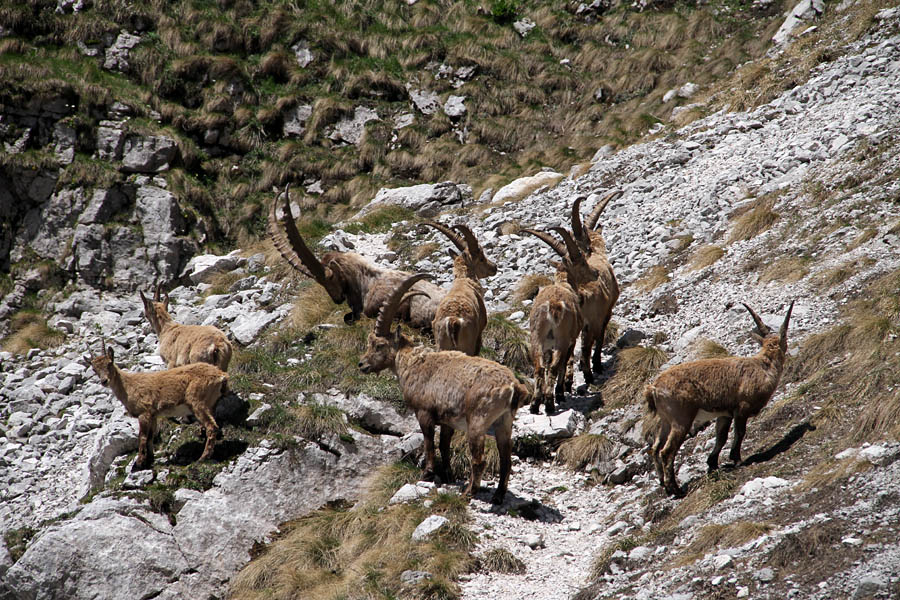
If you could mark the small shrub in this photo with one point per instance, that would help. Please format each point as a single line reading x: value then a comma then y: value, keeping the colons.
x: 500, y: 560
x: 504, y: 11
x: 507, y: 343
x: 584, y: 450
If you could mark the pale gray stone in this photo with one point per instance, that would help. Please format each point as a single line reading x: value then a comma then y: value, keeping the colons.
x: 427, y: 102
x: 562, y: 425
x: 373, y: 415
x: 203, y: 267
x: 455, y: 106
x: 427, y: 528
x: 302, y: 53
x: 416, y: 197
x: 117, y: 54
x: 351, y: 129
x: 524, y: 26
x: 148, y: 154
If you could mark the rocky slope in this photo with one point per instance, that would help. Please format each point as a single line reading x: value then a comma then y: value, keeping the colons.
x: 812, y: 516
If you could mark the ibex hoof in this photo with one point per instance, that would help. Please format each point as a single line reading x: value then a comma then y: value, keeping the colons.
x: 140, y: 466
x: 351, y: 318
x: 497, y: 498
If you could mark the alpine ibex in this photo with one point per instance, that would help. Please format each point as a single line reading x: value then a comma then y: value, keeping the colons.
x: 347, y: 276
x: 461, y: 316
x: 724, y: 389
x: 185, y: 344
x: 191, y: 389
x: 598, y: 297
x: 450, y: 389
x: 556, y: 319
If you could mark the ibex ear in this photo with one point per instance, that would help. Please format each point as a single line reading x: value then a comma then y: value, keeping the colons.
x: 166, y: 301
x: 452, y: 254
x: 143, y: 297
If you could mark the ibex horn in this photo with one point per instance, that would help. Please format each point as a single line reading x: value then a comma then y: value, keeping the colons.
x: 594, y: 217
x: 784, y: 326
x: 290, y: 244
x: 760, y: 326
x: 389, y: 308
x: 575, y: 252
x: 471, y: 240
x: 549, y: 240
x: 577, y: 227
x: 451, y: 235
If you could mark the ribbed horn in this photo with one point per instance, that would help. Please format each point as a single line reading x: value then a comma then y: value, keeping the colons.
x: 762, y: 327
x: 103, y: 346
x: 451, y: 235
x: 290, y: 244
x: 156, y: 292
x: 577, y: 227
x: 575, y: 252
x: 595, y: 213
x: 784, y: 326
x: 471, y: 240
x: 389, y: 308
x: 549, y: 240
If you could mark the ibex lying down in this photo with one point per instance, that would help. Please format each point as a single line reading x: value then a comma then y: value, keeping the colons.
x: 722, y: 388
x: 449, y: 389
x: 556, y: 320
x: 185, y: 344
x: 599, y: 297
x: 461, y: 316
x: 347, y: 276
x: 191, y: 389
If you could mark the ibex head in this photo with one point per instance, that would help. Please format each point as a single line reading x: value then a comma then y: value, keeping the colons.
x: 382, y: 346
x: 477, y: 264
x: 156, y: 310
x: 768, y: 339
x: 574, y: 262
x: 290, y: 244
x: 104, y: 363
x: 581, y: 233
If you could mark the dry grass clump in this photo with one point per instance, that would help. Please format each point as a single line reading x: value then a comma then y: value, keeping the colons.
x: 756, y: 220
x: 704, y: 494
x: 529, y: 286
x: 312, y: 306
x: 706, y: 348
x: 834, y: 276
x: 806, y: 545
x: 461, y: 465
x: 584, y: 450
x: 828, y: 473
x: 632, y: 369
x: 655, y: 277
x: 315, y: 421
x: 425, y: 250
x: 30, y: 330
x: 500, y: 560
x: 361, y: 551
x: 706, y: 255
x: 220, y: 283
x: 786, y: 270
x: 721, y: 536
x: 506, y: 343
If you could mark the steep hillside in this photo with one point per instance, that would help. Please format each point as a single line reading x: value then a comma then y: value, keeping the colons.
x: 787, y: 191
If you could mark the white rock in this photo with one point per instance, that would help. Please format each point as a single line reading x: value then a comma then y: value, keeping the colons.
x: 522, y: 187
x: 428, y: 527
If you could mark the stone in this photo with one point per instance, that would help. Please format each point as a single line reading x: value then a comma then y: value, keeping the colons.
x: 409, y: 577
x: 256, y: 416
x: 803, y: 12
x: 722, y: 560
x: 373, y: 415
x: 765, y: 575
x: 563, y: 425
x: 148, y: 154
x: 446, y: 193
x: 410, y: 492
x: 247, y: 327
x: 617, y: 528
x: 117, y: 55
x: 668, y: 96
x: 136, y: 480
x: 351, y: 129
x: 639, y: 553
x: 524, y: 26
x: 64, y: 138
x: 603, y: 152
x: 869, y: 586
x: 404, y: 120
x: 116, y: 438
x: 520, y: 188
x: 534, y: 541
x: 295, y: 120
x: 427, y: 528
x: 687, y: 90
x: 202, y: 268
x: 455, y: 107
x: 302, y: 53
x: 427, y: 102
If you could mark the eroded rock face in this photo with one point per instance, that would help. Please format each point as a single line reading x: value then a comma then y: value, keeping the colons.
x: 426, y: 199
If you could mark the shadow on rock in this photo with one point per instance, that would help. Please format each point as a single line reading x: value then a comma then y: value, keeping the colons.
x: 190, y: 452
x: 516, y: 506
x: 231, y: 410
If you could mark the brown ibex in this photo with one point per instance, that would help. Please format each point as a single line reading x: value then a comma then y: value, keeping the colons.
x: 461, y: 316
x: 185, y: 344
x: 191, y: 389
x: 347, y: 276
x: 598, y: 297
x: 724, y: 389
x: 556, y: 319
x: 450, y: 389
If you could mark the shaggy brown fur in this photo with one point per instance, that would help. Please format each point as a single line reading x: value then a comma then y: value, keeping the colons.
x: 347, y: 276
x: 185, y: 344
x: 726, y: 389
x: 191, y: 389
x: 556, y: 320
x: 599, y: 297
x: 461, y: 316
x: 450, y: 389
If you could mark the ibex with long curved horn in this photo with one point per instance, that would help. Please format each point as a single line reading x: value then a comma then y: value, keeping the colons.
x: 185, y: 344
x: 724, y: 389
x: 461, y: 316
x: 347, y: 276
x: 556, y: 319
x: 600, y: 297
x: 449, y: 389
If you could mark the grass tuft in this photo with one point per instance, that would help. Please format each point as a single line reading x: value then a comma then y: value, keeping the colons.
x: 655, y: 277
x: 705, y: 256
x: 632, y: 369
x: 30, y: 330
x: 529, y: 286
x: 585, y: 450
x: 500, y: 560
x: 507, y: 343
x: 756, y: 220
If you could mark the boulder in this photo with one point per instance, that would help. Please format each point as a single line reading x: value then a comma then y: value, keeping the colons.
x: 148, y: 154
x: 117, y: 437
x: 295, y: 120
x: 427, y: 102
x: 351, y: 130
x: 522, y: 187
x: 201, y: 268
x: 455, y: 107
x: 524, y: 26
x: 374, y: 415
x: 117, y: 54
x: 803, y: 12
x: 562, y: 425
x: 246, y: 327
x: 110, y: 138
x: 423, y: 198
x: 303, y: 54
x: 427, y: 528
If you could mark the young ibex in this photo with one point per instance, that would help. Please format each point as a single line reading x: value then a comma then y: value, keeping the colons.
x: 450, y: 389
x: 556, y: 320
x: 185, y: 344
x: 347, y: 276
x: 722, y: 388
x: 599, y: 297
x: 461, y: 316
x: 191, y: 389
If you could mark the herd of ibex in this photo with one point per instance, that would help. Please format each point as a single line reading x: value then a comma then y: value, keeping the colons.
x: 452, y: 387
